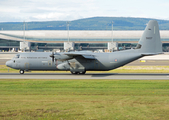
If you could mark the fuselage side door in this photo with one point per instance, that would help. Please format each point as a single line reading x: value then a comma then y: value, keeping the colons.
x: 26, y: 66
x: 50, y: 63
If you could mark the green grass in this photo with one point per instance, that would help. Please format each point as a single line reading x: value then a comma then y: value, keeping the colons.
x: 84, y: 99
x: 124, y: 69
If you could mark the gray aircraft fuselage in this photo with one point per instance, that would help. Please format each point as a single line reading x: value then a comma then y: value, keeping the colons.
x: 102, y: 61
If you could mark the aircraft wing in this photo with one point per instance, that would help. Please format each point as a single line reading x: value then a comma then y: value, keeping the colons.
x: 86, y: 55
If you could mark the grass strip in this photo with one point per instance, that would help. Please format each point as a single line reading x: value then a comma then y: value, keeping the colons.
x: 84, y: 99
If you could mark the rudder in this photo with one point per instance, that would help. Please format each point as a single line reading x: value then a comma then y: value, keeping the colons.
x: 150, y: 41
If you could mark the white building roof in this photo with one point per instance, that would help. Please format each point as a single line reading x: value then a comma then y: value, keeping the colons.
x: 56, y: 34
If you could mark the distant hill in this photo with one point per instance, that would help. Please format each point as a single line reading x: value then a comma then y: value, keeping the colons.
x: 94, y: 23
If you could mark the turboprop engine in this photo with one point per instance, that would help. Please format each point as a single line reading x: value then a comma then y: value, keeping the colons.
x: 74, y: 68
x: 60, y: 57
x: 63, y: 66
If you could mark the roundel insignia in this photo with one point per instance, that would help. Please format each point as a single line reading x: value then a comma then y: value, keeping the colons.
x: 115, y: 60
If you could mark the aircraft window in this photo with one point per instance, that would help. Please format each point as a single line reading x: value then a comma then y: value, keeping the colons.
x: 138, y: 46
x: 17, y: 56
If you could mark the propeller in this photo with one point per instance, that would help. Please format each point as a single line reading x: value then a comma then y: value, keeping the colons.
x: 52, y: 56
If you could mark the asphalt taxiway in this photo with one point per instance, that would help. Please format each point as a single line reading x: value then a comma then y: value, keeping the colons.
x: 121, y: 76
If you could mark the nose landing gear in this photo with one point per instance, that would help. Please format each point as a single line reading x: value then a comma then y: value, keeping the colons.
x: 21, y: 71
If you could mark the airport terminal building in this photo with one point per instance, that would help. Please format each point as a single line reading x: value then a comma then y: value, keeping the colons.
x: 82, y: 40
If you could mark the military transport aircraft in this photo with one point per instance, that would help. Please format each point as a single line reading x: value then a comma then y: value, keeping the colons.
x: 80, y: 62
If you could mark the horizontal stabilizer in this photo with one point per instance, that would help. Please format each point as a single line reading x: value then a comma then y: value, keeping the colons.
x: 148, y: 54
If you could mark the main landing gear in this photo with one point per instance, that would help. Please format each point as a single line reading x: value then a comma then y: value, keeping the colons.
x: 78, y: 72
x: 21, y: 71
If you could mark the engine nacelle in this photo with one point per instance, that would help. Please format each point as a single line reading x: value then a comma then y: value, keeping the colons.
x: 63, y: 66
x: 62, y: 57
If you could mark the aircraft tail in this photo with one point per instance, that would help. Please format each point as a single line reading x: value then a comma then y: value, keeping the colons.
x: 150, y: 42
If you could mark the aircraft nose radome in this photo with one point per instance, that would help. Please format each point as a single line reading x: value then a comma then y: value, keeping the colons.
x: 8, y: 63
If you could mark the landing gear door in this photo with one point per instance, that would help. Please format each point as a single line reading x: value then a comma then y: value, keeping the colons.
x: 75, y: 67
x: 50, y: 63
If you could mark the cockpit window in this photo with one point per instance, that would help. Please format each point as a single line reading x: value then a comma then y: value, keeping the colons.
x: 17, y: 56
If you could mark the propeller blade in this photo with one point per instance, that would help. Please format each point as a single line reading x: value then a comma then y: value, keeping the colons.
x: 52, y: 56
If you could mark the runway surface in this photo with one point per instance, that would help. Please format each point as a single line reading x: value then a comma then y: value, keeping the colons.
x: 86, y: 76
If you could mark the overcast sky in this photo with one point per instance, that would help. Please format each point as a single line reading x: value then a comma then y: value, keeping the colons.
x: 54, y: 10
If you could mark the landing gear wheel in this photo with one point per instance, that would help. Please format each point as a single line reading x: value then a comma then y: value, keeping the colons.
x: 21, y: 71
x: 74, y: 72
x: 82, y: 72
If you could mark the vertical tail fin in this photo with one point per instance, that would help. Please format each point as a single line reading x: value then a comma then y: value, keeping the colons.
x: 150, y: 41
